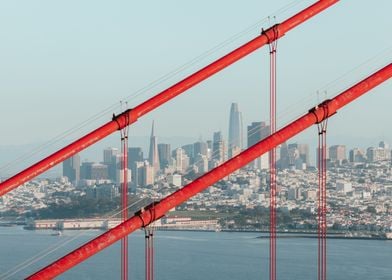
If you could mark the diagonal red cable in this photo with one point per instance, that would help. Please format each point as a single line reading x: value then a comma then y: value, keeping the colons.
x: 158, y: 209
x: 131, y: 116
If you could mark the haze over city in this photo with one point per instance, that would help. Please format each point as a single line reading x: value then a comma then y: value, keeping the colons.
x: 55, y: 76
x: 179, y: 136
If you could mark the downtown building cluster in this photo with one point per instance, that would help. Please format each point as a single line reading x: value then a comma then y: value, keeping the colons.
x: 359, y: 181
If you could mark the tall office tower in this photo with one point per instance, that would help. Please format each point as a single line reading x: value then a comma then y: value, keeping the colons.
x: 71, y: 169
x: 375, y: 154
x: 93, y: 171
x: 153, y: 156
x: 134, y: 154
x: 384, y: 150
x: 337, y: 153
x: 181, y: 160
x: 147, y: 174
x: 201, y: 162
x: 303, y: 150
x: 283, y: 162
x: 110, y: 159
x: 235, y: 131
x: 298, y: 156
x: 218, y: 148
x: 383, y: 145
x: 201, y: 148
x: 189, y: 150
x: 137, y: 174
x: 209, y: 149
x: 209, y: 144
x: 357, y: 155
x: 85, y: 170
x: 99, y: 171
x: 108, y: 155
x: 164, y: 154
x: 258, y: 131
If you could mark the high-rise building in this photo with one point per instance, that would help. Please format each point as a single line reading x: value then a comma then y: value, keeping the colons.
x: 189, y: 150
x: 201, y: 162
x: 235, y: 131
x: 147, y: 174
x: 293, y: 154
x: 137, y: 174
x: 383, y: 145
x: 201, y: 148
x: 110, y: 156
x: 337, y: 153
x: 375, y: 154
x: 71, y: 168
x: 134, y: 154
x: 164, y: 152
x: 218, y: 148
x: 283, y: 162
x: 94, y: 171
x: 357, y: 155
x: 181, y: 160
x: 153, y: 156
x: 258, y: 131
x: 303, y: 150
x: 298, y: 156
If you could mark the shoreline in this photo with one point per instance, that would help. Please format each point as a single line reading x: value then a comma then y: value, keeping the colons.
x: 281, y: 233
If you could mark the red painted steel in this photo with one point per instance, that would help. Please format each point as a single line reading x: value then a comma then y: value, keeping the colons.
x: 124, y: 201
x: 157, y: 210
x: 130, y: 116
x: 272, y: 160
x: 322, y: 200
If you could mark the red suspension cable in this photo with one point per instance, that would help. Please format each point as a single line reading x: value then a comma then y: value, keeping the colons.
x: 150, y: 214
x: 142, y: 109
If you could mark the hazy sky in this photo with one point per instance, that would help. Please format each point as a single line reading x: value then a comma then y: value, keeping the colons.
x: 64, y: 61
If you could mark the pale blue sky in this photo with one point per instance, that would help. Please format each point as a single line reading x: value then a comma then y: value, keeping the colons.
x: 64, y: 61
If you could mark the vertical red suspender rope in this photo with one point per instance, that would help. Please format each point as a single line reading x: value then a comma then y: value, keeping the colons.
x: 124, y: 200
x: 149, y: 252
x: 149, y: 248
x: 322, y: 199
x: 273, y: 43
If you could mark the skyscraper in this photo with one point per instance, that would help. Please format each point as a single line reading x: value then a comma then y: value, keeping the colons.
x: 189, y: 150
x: 256, y: 132
x: 200, y: 147
x: 235, y: 130
x: 153, y: 156
x: 134, y: 154
x: 218, y: 148
x: 110, y: 159
x: 93, y: 171
x: 164, y: 154
x: 337, y: 153
x: 298, y: 155
x: 108, y: 155
x: 71, y: 168
x: 181, y: 160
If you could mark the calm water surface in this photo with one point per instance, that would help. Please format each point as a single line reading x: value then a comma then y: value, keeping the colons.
x: 196, y: 255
